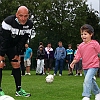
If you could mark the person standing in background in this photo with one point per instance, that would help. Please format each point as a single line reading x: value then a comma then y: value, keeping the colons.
x: 59, y: 55
x: 78, y: 65
x: 69, y: 58
x: 49, y: 56
x: 40, y: 60
x: 27, y: 58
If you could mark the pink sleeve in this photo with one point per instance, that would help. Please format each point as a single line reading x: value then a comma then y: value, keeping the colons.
x: 78, y: 55
x: 97, y: 47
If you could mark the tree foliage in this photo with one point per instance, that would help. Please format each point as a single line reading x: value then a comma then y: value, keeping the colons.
x: 55, y: 20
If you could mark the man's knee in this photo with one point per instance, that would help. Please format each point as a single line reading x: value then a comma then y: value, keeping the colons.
x: 2, y: 60
x: 15, y: 63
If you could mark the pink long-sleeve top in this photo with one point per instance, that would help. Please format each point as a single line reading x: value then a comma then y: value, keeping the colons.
x: 89, y: 54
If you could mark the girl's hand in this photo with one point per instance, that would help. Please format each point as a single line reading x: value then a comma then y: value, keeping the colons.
x: 72, y: 65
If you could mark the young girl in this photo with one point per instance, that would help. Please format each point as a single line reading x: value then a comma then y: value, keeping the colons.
x: 88, y: 50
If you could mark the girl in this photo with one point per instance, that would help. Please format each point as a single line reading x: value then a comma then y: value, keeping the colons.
x: 88, y: 50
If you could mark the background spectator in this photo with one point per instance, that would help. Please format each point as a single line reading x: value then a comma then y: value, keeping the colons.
x: 49, y: 56
x: 69, y: 58
x: 59, y: 55
x: 78, y: 65
x: 40, y: 60
x: 27, y: 58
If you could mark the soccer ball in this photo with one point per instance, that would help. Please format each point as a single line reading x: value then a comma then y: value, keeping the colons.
x: 49, y: 78
x: 6, y: 97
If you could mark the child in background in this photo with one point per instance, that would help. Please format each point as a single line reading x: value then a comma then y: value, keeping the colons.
x: 69, y: 58
x: 88, y: 50
x: 78, y: 65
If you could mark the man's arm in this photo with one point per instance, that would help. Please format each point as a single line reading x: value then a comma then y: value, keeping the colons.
x: 4, y: 39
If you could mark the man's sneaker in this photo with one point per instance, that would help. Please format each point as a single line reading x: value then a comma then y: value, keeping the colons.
x: 70, y: 74
x: 29, y: 73
x: 76, y: 75
x: 97, y: 97
x: 80, y: 74
x: 22, y: 93
x: 2, y: 93
x: 86, y: 98
x: 54, y: 74
x: 26, y: 73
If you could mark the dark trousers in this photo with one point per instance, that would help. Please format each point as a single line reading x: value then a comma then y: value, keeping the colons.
x: 22, y: 67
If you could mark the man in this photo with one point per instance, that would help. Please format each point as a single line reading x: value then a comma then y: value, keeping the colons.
x: 15, y: 32
x: 59, y: 55
x: 27, y: 58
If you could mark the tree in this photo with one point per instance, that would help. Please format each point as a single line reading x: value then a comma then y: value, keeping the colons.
x: 54, y: 20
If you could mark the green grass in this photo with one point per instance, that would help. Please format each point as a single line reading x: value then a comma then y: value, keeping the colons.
x: 63, y: 88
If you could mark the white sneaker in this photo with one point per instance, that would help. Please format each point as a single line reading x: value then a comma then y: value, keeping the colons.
x: 86, y: 98
x: 26, y: 73
x: 94, y: 77
x: 97, y: 97
x: 60, y: 75
x: 54, y: 74
x: 76, y: 75
x: 80, y: 74
x: 29, y: 73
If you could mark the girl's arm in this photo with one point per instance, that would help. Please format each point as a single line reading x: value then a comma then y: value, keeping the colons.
x: 73, y: 63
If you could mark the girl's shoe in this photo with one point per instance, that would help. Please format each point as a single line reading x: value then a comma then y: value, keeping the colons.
x: 86, y: 98
x: 97, y: 97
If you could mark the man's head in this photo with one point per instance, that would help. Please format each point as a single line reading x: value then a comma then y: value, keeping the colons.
x: 60, y: 44
x: 26, y: 45
x: 22, y: 14
x: 49, y: 45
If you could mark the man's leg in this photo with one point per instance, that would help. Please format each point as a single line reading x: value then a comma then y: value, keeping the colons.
x: 1, y: 66
x: 61, y: 66
x: 56, y: 67
x: 22, y: 66
x: 16, y: 72
x: 28, y: 66
x: 17, y: 76
x: 28, y: 70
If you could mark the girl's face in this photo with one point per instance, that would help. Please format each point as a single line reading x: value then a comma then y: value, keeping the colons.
x: 86, y: 37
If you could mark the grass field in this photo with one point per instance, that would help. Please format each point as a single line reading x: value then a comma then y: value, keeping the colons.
x: 63, y: 88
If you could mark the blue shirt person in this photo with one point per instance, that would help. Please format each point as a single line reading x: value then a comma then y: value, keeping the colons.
x: 59, y: 55
x: 27, y: 59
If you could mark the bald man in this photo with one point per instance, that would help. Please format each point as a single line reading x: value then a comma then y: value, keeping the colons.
x: 14, y: 33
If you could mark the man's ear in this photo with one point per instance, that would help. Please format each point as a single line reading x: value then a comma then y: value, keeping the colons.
x: 16, y: 14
